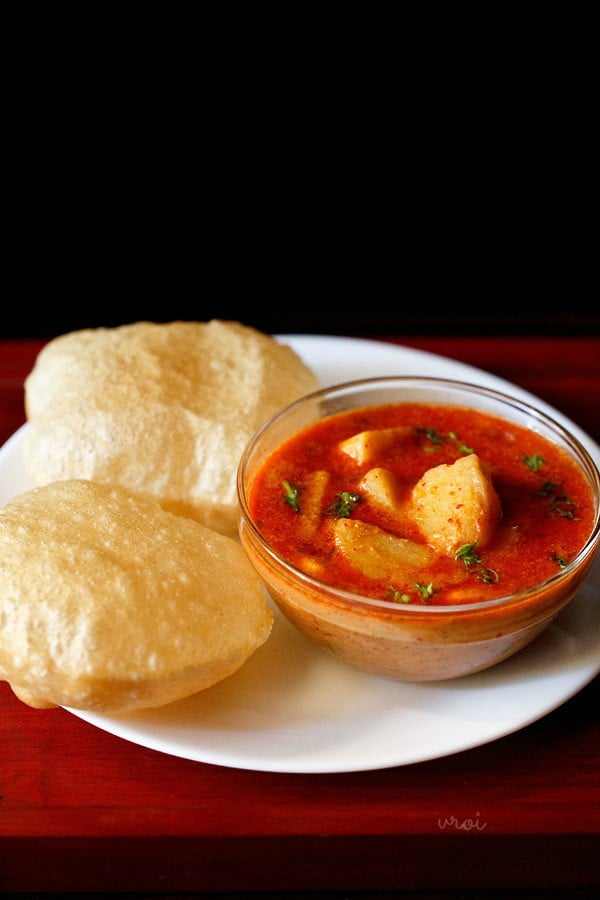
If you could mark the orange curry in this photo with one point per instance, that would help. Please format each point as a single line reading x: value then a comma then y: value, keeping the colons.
x: 423, y: 503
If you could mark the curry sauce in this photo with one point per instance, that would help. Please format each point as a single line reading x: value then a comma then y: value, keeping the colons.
x: 418, y: 503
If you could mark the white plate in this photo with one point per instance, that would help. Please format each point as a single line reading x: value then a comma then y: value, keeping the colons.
x: 292, y: 708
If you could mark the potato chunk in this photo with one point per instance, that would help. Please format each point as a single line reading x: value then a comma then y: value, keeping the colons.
x: 366, y: 446
x: 377, y: 553
x: 313, y: 492
x: 456, y: 504
x: 380, y: 487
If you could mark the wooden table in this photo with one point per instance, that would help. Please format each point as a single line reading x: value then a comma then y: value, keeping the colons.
x: 83, y: 810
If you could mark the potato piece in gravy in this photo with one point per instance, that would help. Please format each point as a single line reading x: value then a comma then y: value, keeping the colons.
x: 456, y: 504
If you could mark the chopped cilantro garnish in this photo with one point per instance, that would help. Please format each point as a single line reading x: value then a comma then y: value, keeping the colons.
x: 342, y: 506
x: 559, y: 503
x: 461, y: 447
x: 437, y: 439
x: 468, y: 555
x: 291, y: 496
x: 533, y: 462
x: 396, y: 596
x: 425, y: 591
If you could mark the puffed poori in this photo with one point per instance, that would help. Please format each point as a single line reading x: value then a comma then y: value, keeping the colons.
x: 163, y: 409
x: 110, y: 603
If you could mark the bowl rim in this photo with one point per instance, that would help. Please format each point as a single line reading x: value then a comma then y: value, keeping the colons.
x: 582, y: 456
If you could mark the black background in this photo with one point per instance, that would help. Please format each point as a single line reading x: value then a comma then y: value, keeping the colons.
x: 361, y: 171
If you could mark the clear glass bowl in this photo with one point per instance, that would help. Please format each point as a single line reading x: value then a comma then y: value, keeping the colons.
x: 411, y: 641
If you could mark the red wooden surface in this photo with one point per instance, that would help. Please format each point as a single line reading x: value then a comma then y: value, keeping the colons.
x: 82, y: 810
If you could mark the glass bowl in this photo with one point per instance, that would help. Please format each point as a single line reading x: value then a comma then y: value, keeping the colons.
x: 409, y: 640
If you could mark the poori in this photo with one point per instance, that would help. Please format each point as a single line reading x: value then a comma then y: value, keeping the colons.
x: 110, y: 603
x: 163, y: 409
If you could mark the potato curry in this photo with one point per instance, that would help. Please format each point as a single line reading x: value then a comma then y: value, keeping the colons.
x: 423, y: 504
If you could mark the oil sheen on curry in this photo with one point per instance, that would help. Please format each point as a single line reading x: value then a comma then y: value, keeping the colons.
x: 423, y: 504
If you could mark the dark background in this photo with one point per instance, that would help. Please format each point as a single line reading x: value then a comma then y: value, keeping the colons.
x: 355, y: 171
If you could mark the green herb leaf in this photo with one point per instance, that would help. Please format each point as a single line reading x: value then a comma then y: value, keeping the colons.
x: 437, y: 439
x: 291, y: 496
x: 563, y: 506
x: 561, y: 561
x: 395, y: 596
x: 559, y: 503
x: 468, y: 555
x: 432, y: 435
x: 342, y: 506
x: 425, y: 591
x: 461, y: 447
x: 489, y: 576
x: 534, y: 462
x: 546, y: 489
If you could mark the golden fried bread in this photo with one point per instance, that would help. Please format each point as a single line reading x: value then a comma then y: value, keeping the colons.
x: 164, y: 409
x: 110, y: 603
